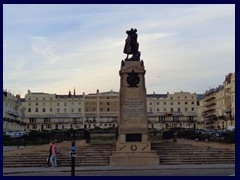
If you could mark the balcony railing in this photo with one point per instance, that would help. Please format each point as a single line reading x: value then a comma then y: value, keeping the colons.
x: 210, y: 98
x: 210, y: 104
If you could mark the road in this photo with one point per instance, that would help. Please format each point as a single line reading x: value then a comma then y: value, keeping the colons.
x: 156, y: 172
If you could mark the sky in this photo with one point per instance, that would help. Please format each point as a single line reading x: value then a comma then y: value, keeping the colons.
x: 54, y: 48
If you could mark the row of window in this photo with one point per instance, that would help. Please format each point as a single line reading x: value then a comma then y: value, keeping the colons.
x: 172, y: 125
x: 86, y: 97
x: 174, y: 118
x: 95, y: 97
x: 108, y: 103
x: 49, y: 126
x: 101, y: 109
x: 58, y: 104
x: 160, y: 118
x: 48, y: 120
x: 65, y: 110
x: 171, y: 110
x: 101, y: 97
x: 29, y: 99
x: 38, y: 99
x: 100, y: 103
x: 51, y: 99
x: 171, y: 103
x: 182, y: 97
x: 51, y: 110
x: 72, y: 103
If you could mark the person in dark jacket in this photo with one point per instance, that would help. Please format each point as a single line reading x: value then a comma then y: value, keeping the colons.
x: 50, y: 154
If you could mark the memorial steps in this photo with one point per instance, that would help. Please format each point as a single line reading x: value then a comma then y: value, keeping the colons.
x: 175, y: 153
x: 99, y: 155
x: 90, y: 155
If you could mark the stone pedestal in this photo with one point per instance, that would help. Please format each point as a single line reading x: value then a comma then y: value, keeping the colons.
x: 134, y: 159
x: 133, y: 147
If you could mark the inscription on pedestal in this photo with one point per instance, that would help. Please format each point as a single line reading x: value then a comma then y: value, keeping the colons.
x: 133, y: 108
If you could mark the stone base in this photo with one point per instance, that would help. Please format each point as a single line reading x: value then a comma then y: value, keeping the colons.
x: 134, y: 159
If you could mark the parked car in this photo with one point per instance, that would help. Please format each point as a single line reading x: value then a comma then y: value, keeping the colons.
x: 16, y: 134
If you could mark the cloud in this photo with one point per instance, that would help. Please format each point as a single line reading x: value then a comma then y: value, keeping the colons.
x: 155, y: 36
x: 58, y: 47
x: 44, y: 47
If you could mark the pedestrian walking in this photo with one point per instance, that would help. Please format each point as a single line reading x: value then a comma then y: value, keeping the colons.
x: 53, y: 158
x: 50, y: 154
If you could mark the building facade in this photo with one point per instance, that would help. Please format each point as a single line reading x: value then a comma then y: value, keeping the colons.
x: 217, y: 108
x: 178, y: 110
x: 13, y: 113
x: 43, y: 111
x: 50, y: 111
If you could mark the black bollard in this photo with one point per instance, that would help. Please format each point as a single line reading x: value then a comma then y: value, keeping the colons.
x: 25, y: 144
x: 117, y: 133
x: 87, y: 136
x: 73, y: 153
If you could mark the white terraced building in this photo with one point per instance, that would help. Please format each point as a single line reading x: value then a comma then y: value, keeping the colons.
x: 51, y: 111
x: 43, y: 111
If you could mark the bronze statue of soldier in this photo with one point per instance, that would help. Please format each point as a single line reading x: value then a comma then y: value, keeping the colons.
x: 131, y: 45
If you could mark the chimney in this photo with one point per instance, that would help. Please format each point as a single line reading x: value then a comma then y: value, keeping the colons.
x: 18, y: 96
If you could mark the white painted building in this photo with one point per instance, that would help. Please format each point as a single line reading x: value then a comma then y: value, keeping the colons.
x: 43, y: 111
x: 13, y: 113
x: 172, y: 110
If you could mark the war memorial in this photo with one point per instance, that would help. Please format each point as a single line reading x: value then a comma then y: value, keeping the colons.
x: 133, y: 147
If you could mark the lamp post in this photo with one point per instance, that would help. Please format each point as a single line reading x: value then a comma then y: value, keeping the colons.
x: 73, y: 154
